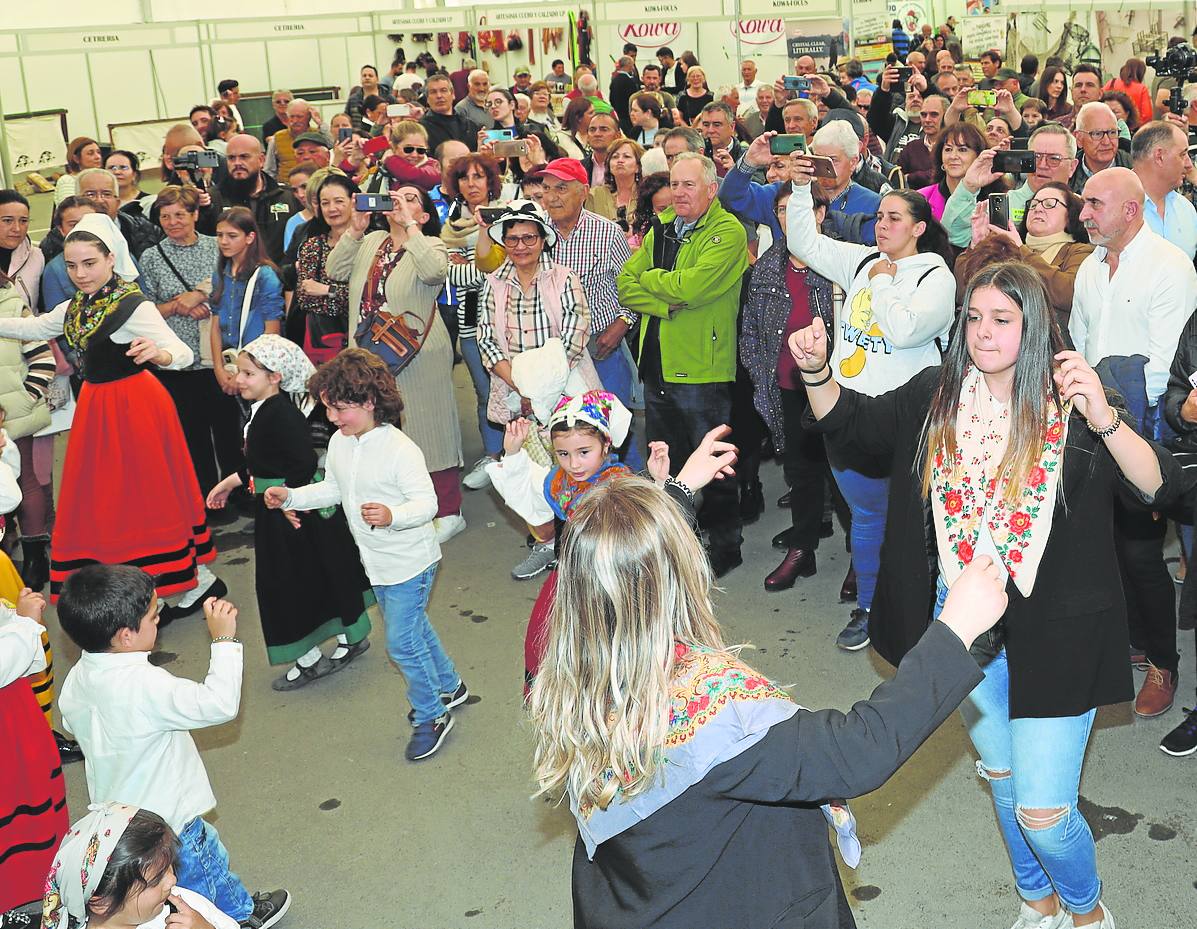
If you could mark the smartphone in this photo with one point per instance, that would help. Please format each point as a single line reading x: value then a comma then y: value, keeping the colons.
x: 375, y: 145
x: 344, y: 134
x: 824, y: 166
x: 373, y: 203
x: 796, y: 83
x: 398, y: 110
x: 904, y: 74
x: 510, y: 149
x: 982, y: 97
x: 500, y: 135
x: 171, y: 907
x: 1014, y: 161
x: 999, y: 210
x: 1193, y: 380
x: 787, y: 144
x: 491, y: 214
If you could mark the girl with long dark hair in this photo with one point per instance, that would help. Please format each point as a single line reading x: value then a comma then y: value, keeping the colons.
x: 1053, y: 91
x: 1010, y: 450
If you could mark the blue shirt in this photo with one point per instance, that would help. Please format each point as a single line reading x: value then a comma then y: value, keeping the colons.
x: 1179, y: 225
x: 265, y: 305
x: 289, y: 230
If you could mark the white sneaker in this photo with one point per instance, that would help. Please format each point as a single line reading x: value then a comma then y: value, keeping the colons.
x: 477, y: 478
x: 541, y: 558
x: 1029, y: 918
x: 1107, y: 921
x: 448, y: 526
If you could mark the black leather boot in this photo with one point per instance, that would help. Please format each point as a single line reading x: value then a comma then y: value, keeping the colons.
x: 35, y: 564
x: 752, y: 501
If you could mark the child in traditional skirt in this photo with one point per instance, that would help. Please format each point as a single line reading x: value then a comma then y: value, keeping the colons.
x: 309, y: 578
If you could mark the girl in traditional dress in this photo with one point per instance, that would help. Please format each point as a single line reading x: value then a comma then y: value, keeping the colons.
x: 310, y: 581
x: 129, y: 493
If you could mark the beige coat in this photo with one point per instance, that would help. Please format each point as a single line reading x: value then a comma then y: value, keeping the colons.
x: 426, y: 384
x: 24, y: 413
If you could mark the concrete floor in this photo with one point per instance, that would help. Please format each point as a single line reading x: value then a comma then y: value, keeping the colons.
x: 314, y: 794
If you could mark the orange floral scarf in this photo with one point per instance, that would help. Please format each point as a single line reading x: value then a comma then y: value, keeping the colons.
x: 966, y: 490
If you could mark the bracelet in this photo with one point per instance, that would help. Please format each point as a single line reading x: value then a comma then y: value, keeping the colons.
x: 1108, y: 430
x: 674, y: 482
x: 226, y: 638
x: 817, y: 383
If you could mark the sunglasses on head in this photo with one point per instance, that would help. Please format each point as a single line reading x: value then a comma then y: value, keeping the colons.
x: 413, y: 149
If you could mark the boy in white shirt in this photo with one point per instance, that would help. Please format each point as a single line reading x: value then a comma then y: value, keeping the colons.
x: 133, y: 719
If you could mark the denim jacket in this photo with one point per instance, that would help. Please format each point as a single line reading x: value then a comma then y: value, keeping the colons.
x: 265, y: 305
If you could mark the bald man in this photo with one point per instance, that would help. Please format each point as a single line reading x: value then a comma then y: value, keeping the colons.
x: 805, y: 65
x: 250, y: 186
x: 1133, y: 295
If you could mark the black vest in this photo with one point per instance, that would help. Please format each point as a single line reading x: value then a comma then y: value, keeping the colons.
x: 103, y: 360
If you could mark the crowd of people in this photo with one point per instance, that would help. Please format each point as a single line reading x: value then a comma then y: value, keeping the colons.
x: 961, y: 312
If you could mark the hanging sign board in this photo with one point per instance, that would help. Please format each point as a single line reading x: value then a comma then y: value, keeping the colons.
x: 101, y: 39
x: 35, y: 143
x: 299, y: 29
x: 522, y: 17
x: 790, y: 9
x: 642, y: 12
x: 871, y: 26
x: 819, y: 47
x: 435, y: 20
x: 981, y: 33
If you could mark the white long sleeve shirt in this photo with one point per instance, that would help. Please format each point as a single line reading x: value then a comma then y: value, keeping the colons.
x: 132, y: 721
x: 380, y: 466
x: 1139, y: 310
x: 888, y: 326
x: 145, y: 322
x: 21, y: 652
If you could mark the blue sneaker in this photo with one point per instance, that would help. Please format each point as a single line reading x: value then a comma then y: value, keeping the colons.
x: 856, y: 634
x: 450, y: 700
x: 426, y: 738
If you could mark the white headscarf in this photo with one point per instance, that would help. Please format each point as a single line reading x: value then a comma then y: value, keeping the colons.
x: 81, y: 861
x: 107, y: 231
x: 282, y: 356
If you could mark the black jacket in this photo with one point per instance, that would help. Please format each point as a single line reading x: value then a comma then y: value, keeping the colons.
x: 1184, y: 365
x: 1067, y: 643
x: 747, y: 845
x: 272, y: 207
x: 139, y: 232
x: 623, y: 87
x: 442, y: 128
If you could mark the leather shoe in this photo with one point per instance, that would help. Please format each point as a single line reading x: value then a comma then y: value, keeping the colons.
x: 781, y: 541
x: 797, y: 563
x: 783, y: 502
x: 1156, y: 695
x: 752, y: 502
x: 848, y: 588
x: 724, y: 560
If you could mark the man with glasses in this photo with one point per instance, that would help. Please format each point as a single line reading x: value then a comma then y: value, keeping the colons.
x: 595, y: 249
x: 685, y: 279
x: 1097, y: 136
x: 100, y: 188
x: 1055, y: 158
x: 1160, y: 152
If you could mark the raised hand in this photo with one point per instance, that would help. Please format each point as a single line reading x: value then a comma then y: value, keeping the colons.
x: 713, y: 460
x: 809, y: 347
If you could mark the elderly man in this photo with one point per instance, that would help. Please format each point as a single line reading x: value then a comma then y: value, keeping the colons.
x: 754, y: 114
x: 312, y: 148
x: 441, y: 122
x: 280, y: 150
x: 473, y: 105
x: 717, y: 123
x: 679, y: 140
x: 101, y: 189
x: 839, y: 142
x: 917, y: 159
x: 894, y: 122
x: 1160, y: 152
x: 602, y: 132
x: 1055, y: 158
x: 624, y: 85
x: 595, y: 249
x: 250, y: 186
x: 805, y: 65
x: 685, y: 278
x: 521, y: 81
x: 279, y: 101
x: 749, y: 83
x: 1097, y: 137
x: 1133, y: 296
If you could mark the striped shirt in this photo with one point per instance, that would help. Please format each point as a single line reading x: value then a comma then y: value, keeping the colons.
x: 528, y: 323
x: 596, y: 251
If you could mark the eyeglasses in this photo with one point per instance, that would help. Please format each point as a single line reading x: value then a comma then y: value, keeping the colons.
x: 1098, y: 134
x: 413, y: 149
x: 99, y: 195
x: 1054, y: 160
x: 526, y: 241
x: 1047, y: 203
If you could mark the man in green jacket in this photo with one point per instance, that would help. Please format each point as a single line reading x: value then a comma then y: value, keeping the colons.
x: 685, y: 281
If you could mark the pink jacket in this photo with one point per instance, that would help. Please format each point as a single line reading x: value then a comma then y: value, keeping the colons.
x: 937, y: 200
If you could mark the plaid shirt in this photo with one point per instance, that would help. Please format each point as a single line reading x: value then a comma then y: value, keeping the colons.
x: 596, y: 251
x: 528, y: 323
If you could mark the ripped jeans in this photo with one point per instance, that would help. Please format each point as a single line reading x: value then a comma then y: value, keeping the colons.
x: 1041, y: 760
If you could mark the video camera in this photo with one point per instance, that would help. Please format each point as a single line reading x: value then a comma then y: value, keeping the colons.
x: 1180, y: 62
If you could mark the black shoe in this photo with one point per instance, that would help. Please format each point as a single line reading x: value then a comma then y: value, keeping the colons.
x: 855, y: 635
x: 783, y: 502
x: 35, y: 564
x: 1182, y: 740
x: 450, y: 700
x: 724, y: 560
x: 826, y: 529
x: 848, y: 588
x: 168, y: 614
x: 781, y: 541
x: 797, y: 563
x: 68, y: 749
x: 752, y: 502
x: 353, y: 651
x: 269, y: 908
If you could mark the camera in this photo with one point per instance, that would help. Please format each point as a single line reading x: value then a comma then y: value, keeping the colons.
x: 1180, y: 62
x: 801, y: 85
x: 193, y: 161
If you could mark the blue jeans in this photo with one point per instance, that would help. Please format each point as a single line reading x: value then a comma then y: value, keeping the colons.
x: 1042, y: 759
x: 413, y: 644
x: 204, y: 868
x: 618, y: 377
x: 867, y: 498
x: 492, y: 436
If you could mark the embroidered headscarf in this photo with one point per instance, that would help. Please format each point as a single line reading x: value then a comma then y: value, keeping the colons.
x: 966, y: 492
x: 107, y: 231
x: 282, y: 356
x: 80, y: 863
x: 598, y: 408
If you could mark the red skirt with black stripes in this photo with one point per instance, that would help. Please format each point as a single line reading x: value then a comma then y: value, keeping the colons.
x: 33, y: 811
x: 128, y: 493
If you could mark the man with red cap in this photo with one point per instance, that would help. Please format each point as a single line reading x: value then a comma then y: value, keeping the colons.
x: 595, y: 249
